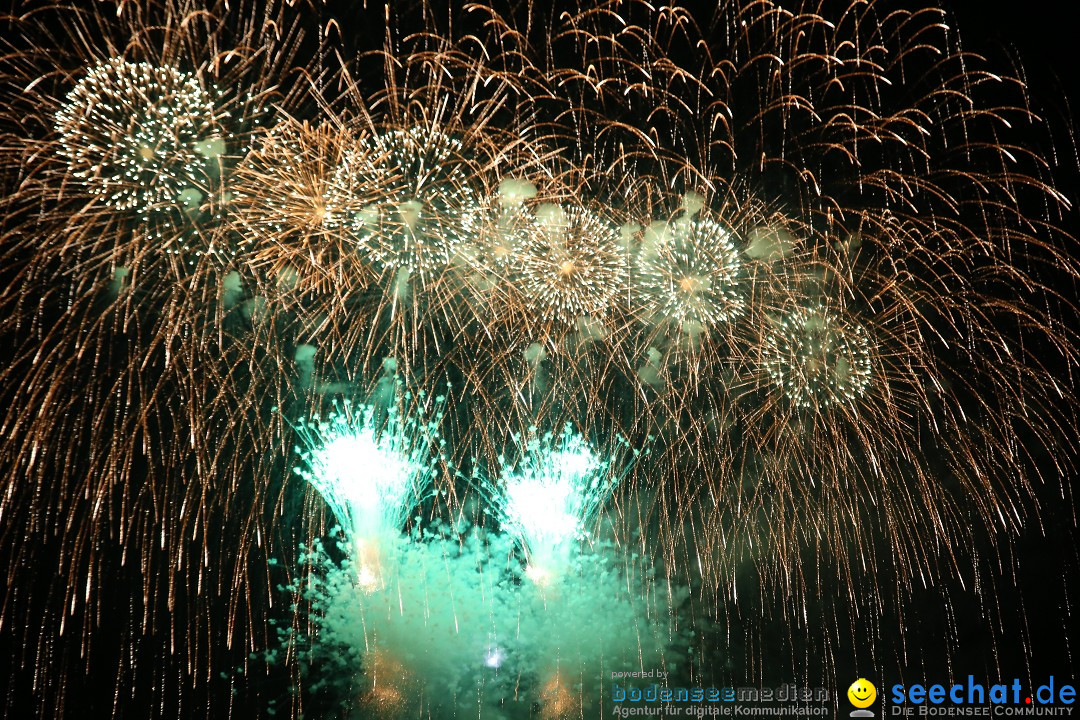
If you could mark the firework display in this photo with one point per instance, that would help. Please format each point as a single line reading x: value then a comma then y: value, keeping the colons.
x: 416, y: 362
x: 571, y: 265
x: 450, y: 608
x: 427, y: 205
x: 816, y: 360
x: 372, y: 474
x: 139, y: 132
x: 689, y: 274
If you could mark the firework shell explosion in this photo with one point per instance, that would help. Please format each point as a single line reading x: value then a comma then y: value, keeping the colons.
x: 401, y: 361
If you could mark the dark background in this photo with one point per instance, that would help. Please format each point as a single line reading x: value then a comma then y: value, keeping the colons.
x: 1037, y: 42
x: 1037, y: 37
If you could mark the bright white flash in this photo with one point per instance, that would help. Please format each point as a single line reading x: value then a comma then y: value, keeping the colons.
x: 551, y: 494
x: 372, y: 468
x: 370, y: 478
x: 494, y: 657
x: 548, y: 498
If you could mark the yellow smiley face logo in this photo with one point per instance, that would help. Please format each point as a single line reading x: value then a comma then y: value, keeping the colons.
x: 862, y: 693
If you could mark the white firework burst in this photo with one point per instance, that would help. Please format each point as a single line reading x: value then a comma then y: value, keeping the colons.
x: 818, y: 358
x: 572, y: 264
x: 410, y: 199
x: 137, y: 134
x: 689, y: 274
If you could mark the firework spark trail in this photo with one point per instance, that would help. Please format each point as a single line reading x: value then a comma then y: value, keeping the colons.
x: 875, y: 334
x: 121, y: 471
x: 452, y: 608
x: 372, y: 466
